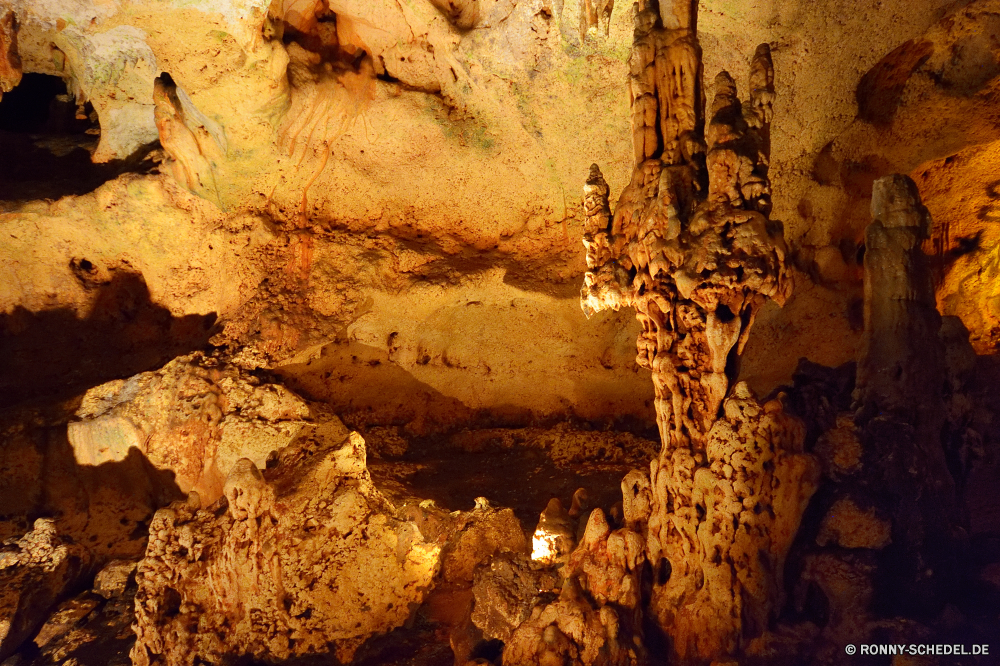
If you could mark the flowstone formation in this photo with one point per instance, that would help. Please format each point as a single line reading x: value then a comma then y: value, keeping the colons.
x: 691, y: 247
x: 303, y: 558
x: 196, y: 417
x: 906, y: 406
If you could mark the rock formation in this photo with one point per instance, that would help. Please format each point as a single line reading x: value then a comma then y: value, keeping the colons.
x: 196, y: 417
x: 902, y: 413
x: 191, y: 149
x: 305, y: 558
x: 302, y: 208
x: 36, y: 571
x: 690, y: 246
x: 10, y: 60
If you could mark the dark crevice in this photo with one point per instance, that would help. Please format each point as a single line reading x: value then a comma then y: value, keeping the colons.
x: 53, y: 137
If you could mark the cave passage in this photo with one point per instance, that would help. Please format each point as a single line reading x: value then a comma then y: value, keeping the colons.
x: 52, y: 137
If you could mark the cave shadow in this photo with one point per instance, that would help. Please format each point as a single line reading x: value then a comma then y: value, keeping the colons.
x: 454, y: 453
x: 52, y: 138
x: 55, y: 353
x: 105, y: 508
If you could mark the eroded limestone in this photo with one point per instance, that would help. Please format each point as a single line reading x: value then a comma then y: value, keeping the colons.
x: 304, y: 558
x: 195, y: 416
x: 691, y: 248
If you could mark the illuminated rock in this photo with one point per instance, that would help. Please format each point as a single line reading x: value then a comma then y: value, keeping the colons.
x: 34, y: 573
x: 305, y: 558
x: 195, y: 417
x: 691, y: 247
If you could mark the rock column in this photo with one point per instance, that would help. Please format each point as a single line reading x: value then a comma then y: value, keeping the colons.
x: 691, y: 248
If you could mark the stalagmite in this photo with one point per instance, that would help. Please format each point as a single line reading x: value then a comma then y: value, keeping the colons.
x: 901, y: 411
x: 690, y: 246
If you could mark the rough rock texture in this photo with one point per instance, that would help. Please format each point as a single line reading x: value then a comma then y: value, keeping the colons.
x: 719, y: 539
x: 690, y: 247
x: 526, y: 92
x: 35, y: 572
x: 307, y: 559
x: 570, y: 630
x: 504, y: 594
x: 195, y: 417
x: 377, y: 201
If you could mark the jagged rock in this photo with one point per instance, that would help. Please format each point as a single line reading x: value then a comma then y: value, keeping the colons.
x: 305, y: 558
x: 113, y: 578
x: 195, y: 416
x: 846, y: 583
x: 848, y: 526
x: 596, y: 619
x: 607, y: 564
x: 478, y: 536
x: 504, y: 593
x: 35, y: 571
x: 69, y: 614
x: 839, y: 448
x: 571, y: 631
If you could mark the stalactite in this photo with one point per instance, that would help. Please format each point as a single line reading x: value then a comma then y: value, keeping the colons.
x: 691, y: 247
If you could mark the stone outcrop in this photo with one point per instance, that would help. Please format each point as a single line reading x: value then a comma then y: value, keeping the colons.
x: 35, y: 571
x: 304, y: 558
x: 195, y: 416
x: 504, y: 594
x: 571, y: 630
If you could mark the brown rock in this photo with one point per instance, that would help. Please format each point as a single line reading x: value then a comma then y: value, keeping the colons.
x: 306, y: 558
x: 10, y: 60
x: 195, y: 417
x: 848, y: 526
x: 35, y: 572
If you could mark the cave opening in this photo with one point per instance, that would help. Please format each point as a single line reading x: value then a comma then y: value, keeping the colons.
x: 53, y: 134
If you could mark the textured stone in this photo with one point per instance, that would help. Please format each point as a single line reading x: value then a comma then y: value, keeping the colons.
x: 195, y: 417
x: 306, y: 558
x: 847, y: 525
x: 10, y: 60
x: 505, y: 592
x: 691, y: 247
x: 113, y: 578
x: 35, y: 571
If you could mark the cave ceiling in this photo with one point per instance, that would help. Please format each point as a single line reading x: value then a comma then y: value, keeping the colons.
x: 298, y: 334
x: 403, y: 180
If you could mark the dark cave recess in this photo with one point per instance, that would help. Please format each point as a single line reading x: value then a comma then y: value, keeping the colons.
x: 47, y: 138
